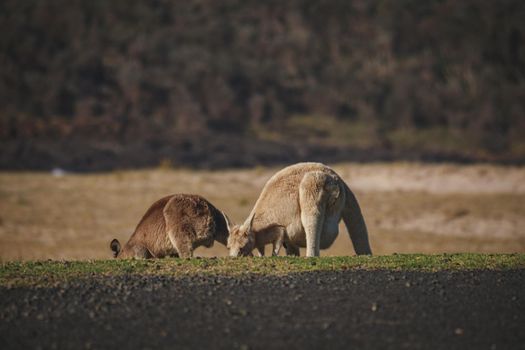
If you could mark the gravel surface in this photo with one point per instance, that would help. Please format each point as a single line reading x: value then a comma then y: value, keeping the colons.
x: 346, y: 309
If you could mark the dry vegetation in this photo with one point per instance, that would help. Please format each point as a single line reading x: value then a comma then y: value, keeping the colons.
x: 408, y: 207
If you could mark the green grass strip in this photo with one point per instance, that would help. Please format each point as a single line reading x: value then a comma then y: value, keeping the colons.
x: 49, y: 272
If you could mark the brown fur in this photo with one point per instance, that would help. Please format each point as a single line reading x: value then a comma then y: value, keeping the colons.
x: 308, y: 200
x: 174, y: 226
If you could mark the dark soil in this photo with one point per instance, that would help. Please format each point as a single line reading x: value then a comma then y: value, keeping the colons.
x: 347, y: 309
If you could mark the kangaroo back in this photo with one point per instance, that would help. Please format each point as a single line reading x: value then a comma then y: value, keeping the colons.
x: 355, y: 224
x: 189, y: 216
x: 175, y: 225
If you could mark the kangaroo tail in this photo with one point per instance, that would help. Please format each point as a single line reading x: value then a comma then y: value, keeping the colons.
x: 355, y: 224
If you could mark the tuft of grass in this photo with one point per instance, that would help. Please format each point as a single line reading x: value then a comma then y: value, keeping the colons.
x: 49, y: 272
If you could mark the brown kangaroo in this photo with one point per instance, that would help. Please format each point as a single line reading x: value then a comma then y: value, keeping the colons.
x: 174, y: 226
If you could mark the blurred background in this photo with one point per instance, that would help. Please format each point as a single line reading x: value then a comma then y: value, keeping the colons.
x: 98, y: 85
x: 193, y: 89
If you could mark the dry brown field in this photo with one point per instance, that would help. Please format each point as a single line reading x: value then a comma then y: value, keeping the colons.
x: 408, y: 207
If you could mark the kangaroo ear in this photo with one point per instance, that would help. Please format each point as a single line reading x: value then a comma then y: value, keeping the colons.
x: 115, y: 247
x: 250, y: 222
x: 228, y: 223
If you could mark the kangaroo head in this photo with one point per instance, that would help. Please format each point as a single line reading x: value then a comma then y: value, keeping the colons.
x: 241, y: 240
x: 125, y: 252
x: 131, y: 250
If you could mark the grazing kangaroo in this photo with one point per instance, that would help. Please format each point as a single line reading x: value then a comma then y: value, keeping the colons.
x: 174, y: 226
x: 301, y: 206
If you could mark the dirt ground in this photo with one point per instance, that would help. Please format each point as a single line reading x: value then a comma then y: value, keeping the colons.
x: 331, y: 310
x: 408, y: 207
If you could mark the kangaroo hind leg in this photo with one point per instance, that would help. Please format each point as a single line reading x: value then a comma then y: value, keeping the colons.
x: 280, y: 232
x: 312, y: 198
x: 182, y: 244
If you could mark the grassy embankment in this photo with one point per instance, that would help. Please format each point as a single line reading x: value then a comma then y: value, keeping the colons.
x: 49, y: 272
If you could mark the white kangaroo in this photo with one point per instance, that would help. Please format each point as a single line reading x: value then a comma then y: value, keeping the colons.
x: 301, y: 206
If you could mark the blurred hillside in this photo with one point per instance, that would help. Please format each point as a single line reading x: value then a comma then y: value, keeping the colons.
x: 93, y: 85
